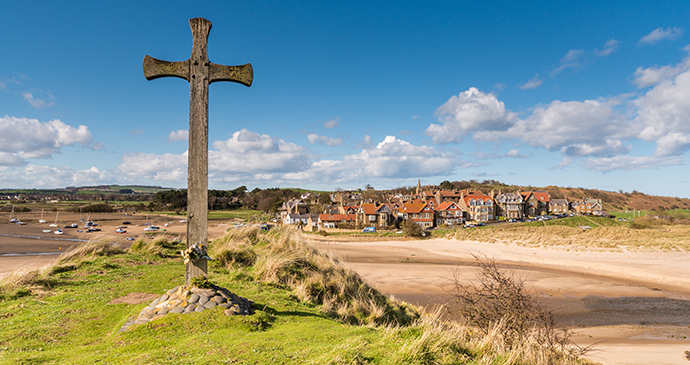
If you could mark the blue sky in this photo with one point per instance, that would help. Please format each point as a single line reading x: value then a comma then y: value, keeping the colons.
x: 352, y: 93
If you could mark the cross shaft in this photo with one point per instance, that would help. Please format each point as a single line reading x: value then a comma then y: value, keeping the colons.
x: 200, y: 72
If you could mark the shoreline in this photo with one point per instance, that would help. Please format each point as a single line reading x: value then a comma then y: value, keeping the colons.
x: 635, y: 306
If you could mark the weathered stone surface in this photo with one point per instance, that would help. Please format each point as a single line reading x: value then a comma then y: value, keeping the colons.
x: 179, y: 302
x: 173, y: 290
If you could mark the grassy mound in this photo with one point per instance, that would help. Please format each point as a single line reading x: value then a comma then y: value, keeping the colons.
x: 310, y: 309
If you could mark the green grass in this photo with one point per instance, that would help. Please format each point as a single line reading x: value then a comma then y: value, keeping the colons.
x: 229, y: 214
x: 63, y: 317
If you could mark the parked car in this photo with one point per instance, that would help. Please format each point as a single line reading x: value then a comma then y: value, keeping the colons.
x: 369, y: 230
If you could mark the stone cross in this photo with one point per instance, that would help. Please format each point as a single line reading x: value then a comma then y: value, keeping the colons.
x: 200, y: 72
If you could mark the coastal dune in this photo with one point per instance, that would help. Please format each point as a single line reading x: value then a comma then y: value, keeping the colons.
x: 635, y: 306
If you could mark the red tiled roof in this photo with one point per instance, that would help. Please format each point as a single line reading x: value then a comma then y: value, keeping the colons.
x: 414, y: 207
x: 476, y: 197
x: 542, y: 196
x: 336, y: 217
x: 368, y: 208
x: 448, y: 205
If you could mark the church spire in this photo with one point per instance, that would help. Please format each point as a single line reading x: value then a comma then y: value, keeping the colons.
x: 419, y: 187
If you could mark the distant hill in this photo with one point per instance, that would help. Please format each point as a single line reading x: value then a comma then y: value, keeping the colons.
x: 98, y: 189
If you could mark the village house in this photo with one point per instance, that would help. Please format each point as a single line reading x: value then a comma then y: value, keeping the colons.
x: 479, y: 207
x: 510, y: 205
x: 536, y: 202
x: 589, y: 206
x: 337, y: 221
x: 559, y: 206
x: 419, y: 213
x: 449, y: 214
x: 376, y: 215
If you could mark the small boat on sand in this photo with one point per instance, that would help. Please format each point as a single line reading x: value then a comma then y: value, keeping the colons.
x: 59, y: 231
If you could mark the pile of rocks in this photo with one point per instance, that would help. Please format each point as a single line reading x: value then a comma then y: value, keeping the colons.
x: 189, y: 299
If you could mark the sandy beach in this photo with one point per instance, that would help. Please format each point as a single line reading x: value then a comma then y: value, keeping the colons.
x: 634, y: 305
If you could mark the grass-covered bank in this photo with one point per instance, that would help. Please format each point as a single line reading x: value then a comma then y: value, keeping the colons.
x: 310, y: 308
x: 603, y: 233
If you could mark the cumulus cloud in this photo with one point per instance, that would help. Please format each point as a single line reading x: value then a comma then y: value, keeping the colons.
x: 659, y: 34
x: 515, y: 153
x: 470, y: 111
x: 328, y: 141
x: 663, y: 115
x: 53, y: 177
x: 610, y: 47
x: 23, y: 138
x: 249, y: 153
x: 391, y: 158
x: 645, y: 77
x: 592, y: 127
x: 533, y: 83
x: 366, y: 142
x: 330, y: 124
x: 167, y: 167
x: 179, y: 135
x: 257, y: 158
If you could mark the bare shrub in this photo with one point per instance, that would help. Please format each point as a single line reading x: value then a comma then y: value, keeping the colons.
x: 412, y: 229
x: 505, y: 312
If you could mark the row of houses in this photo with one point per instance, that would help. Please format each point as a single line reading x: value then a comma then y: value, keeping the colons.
x: 441, y: 208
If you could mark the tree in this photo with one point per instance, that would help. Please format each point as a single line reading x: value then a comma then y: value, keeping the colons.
x: 446, y: 185
x: 325, y: 198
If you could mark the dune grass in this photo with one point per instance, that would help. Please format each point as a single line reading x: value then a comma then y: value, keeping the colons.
x: 608, y: 235
x: 310, y: 309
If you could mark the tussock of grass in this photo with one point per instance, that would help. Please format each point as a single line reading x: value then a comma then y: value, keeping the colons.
x: 26, y: 282
x: 282, y: 257
x: 89, y: 249
x: 159, y: 246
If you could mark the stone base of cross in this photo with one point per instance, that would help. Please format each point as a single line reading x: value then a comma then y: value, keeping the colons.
x: 200, y: 73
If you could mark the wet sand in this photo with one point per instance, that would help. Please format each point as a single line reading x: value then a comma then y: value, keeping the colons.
x: 27, y: 247
x: 634, y: 305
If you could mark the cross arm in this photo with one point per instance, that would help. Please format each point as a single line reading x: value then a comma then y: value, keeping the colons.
x: 243, y: 74
x: 155, y: 68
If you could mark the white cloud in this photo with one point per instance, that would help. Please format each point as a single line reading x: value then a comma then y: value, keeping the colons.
x: 36, y: 103
x: 25, y: 138
x: 247, y: 153
x: 330, y: 124
x: 610, y: 47
x: 515, y: 153
x: 366, y: 142
x: 53, y: 177
x: 645, y: 77
x: 659, y: 34
x: 391, y: 158
x: 253, y: 158
x: 332, y: 142
x: 575, y: 58
x: 179, y: 135
x: 470, y: 111
x: 592, y: 127
x: 533, y: 83
x: 167, y: 167
x: 608, y: 164
x: 663, y: 115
